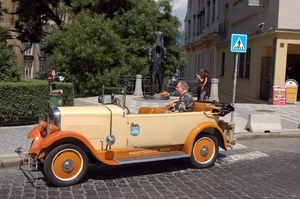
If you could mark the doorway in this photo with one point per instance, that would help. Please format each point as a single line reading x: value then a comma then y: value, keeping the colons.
x: 293, y: 60
x: 265, y: 78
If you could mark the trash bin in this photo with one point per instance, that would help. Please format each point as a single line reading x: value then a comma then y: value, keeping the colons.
x: 56, y: 97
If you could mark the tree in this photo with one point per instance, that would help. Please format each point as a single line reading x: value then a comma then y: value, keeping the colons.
x: 106, y: 39
x: 9, y: 70
x: 32, y: 16
x: 89, y: 50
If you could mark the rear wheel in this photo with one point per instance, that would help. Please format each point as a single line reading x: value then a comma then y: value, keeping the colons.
x: 66, y: 165
x: 205, y: 151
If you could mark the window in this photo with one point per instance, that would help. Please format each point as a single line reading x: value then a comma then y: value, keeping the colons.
x: 223, y: 64
x: 28, y: 50
x: 194, y: 24
x: 42, y: 51
x: 248, y: 58
x: 189, y: 27
x: 241, y: 65
x: 244, y: 64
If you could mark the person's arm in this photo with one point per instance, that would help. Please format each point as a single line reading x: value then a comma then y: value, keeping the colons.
x: 171, y: 103
x: 199, y: 78
x: 204, y: 83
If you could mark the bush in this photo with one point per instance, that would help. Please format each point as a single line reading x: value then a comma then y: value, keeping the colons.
x: 9, y: 69
x: 26, y: 102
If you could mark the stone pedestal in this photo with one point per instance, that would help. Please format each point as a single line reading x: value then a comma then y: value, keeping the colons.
x: 138, y: 86
x: 214, y: 96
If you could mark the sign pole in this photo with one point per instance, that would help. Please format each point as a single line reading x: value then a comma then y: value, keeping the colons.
x: 238, y: 45
x: 234, y: 84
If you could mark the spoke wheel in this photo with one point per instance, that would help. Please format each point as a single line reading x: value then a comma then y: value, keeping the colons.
x: 121, y: 103
x: 66, y: 165
x: 205, y: 151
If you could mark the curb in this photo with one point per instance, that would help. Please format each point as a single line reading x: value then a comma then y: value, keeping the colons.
x: 10, y: 162
x: 15, y: 161
x: 285, y: 134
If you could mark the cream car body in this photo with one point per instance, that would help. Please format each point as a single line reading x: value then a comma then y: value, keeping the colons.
x: 75, y: 136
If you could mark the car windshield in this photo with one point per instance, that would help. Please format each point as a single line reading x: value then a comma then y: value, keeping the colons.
x: 109, y: 94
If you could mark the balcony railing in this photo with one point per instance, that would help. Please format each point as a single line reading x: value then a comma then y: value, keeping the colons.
x: 223, y: 28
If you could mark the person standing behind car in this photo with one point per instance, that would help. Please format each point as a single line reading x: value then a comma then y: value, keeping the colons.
x: 185, y: 103
x: 208, y: 84
x: 200, y: 79
x: 205, y: 89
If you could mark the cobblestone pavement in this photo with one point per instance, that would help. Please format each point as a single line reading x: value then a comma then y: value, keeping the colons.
x: 258, y: 168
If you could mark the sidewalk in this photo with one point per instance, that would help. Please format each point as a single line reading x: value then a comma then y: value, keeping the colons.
x: 13, y: 137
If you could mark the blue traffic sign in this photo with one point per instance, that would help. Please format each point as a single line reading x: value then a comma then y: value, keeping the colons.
x: 238, y: 43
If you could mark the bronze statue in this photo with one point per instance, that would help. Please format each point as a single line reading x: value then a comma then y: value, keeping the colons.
x: 157, y: 59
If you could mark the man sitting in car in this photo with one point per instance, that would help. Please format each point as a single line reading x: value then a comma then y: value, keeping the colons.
x: 185, y: 103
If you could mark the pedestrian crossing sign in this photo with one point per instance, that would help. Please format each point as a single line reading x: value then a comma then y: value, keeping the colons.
x: 238, y: 43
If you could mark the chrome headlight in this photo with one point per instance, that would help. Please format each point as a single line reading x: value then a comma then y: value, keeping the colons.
x: 43, y: 127
x: 52, y: 128
x: 54, y: 117
x: 49, y: 129
x: 110, y: 140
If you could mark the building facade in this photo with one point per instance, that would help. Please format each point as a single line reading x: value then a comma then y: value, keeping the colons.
x: 32, y: 59
x: 273, y: 44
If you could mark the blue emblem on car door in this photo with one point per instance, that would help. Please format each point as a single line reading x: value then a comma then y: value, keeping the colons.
x: 134, y: 129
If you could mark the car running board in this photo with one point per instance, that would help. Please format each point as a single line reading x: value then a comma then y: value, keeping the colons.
x: 171, y: 155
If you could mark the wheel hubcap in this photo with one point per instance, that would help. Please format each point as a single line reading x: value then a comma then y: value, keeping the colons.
x: 204, y: 151
x: 67, y: 165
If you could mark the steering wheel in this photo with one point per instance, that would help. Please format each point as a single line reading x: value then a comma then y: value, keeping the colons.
x: 172, y: 106
x: 120, y: 103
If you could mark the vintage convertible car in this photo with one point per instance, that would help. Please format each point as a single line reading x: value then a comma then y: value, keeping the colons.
x: 74, y: 137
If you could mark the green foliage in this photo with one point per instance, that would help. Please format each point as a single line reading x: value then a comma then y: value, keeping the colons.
x: 9, y: 69
x: 18, y: 105
x: 109, y: 39
x: 26, y: 102
x: 32, y: 16
x: 90, y: 50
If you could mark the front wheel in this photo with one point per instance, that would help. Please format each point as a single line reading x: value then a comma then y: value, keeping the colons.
x: 205, y: 151
x: 66, y: 165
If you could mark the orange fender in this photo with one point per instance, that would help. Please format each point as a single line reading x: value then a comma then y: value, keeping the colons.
x: 189, y: 142
x: 57, y: 136
x: 34, y: 133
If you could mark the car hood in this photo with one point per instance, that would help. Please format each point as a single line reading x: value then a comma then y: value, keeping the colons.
x: 88, y: 115
x: 96, y: 110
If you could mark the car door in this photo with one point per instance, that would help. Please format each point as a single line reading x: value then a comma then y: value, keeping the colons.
x: 147, y: 130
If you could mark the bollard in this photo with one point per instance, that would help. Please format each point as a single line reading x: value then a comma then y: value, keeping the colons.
x: 214, y: 90
x: 138, y: 86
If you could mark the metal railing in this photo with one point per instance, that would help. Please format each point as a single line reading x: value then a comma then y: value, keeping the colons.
x: 169, y: 84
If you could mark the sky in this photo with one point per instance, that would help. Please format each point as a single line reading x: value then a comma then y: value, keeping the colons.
x: 179, y: 10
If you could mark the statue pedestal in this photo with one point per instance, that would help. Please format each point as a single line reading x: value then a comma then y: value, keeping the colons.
x: 156, y: 97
